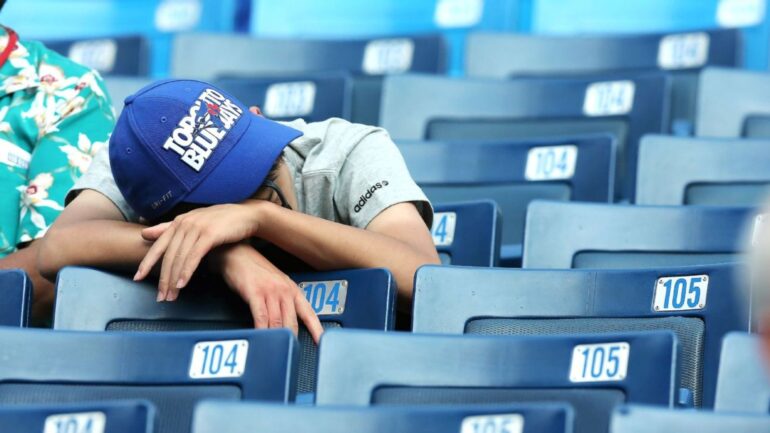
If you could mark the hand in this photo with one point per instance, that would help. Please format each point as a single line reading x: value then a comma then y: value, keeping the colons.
x: 274, y: 299
x: 184, y: 242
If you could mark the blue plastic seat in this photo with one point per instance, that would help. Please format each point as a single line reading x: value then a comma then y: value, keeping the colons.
x: 459, y: 300
x: 105, y: 417
x: 241, y: 417
x: 172, y: 370
x: 363, y: 298
x: 642, y: 419
x: 119, y: 55
x: 702, y: 171
x: 365, y: 368
x: 15, y: 298
x: 467, y: 233
x: 513, y: 174
x: 120, y: 88
x: 733, y: 103
x: 744, y: 384
x: 561, y: 235
x: 419, y: 107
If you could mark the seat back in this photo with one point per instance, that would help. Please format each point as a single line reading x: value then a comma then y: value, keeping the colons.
x: 467, y: 233
x: 172, y: 370
x: 744, y: 384
x: 106, y: 417
x: 416, y: 107
x: 700, y: 304
x: 733, y: 103
x: 120, y: 88
x: 363, y: 298
x: 120, y: 55
x: 396, y: 368
x: 702, y: 171
x: 16, y: 298
x: 242, y: 417
x: 562, y: 235
x: 640, y: 419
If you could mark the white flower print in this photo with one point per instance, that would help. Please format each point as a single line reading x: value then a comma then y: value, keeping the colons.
x: 80, y: 157
x: 35, y: 195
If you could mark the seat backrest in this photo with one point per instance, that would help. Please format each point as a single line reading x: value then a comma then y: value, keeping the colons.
x: 561, y: 235
x: 467, y: 233
x: 702, y: 171
x: 363, y: 298
x: 744, y: 384
x: 201, y: 55
x: 243, y: 417
x: 642, y: 419
x: 701, y: 304
x: 367, y: 368
x: 104, y: 417
x: 733, y: 103
x: 16, y: 295
x: 120, y: 88
x: 172, y: 370
x: 418, y: 107
x: 119, y: 55
x: 313, y: 97
x: 514, y: 173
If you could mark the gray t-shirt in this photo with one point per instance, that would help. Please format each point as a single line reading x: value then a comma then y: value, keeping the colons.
x: 343, y: 172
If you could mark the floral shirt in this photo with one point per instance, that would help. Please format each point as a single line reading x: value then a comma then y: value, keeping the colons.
x: 54, y: 116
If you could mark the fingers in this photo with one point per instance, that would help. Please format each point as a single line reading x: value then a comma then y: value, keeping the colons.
x: 255, y: 110
x: 153, y: 255
x: 274, y: 319
x: 308, y: 316
x: 192, y: 260
x: 176, y: 281
x: 289, y: 315
x: 154, y: 232
x: 258, y: 312
x: 164, y: 283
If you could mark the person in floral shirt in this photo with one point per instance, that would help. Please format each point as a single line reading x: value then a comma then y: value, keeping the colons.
x: 54, y: 116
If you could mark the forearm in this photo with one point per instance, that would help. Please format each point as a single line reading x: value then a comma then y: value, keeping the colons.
x: 26, y: 259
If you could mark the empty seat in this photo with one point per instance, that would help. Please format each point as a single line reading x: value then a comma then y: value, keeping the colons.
x: 744, y: 384
x: 172, y: 370
x: 513, y: 174
x: 102, y: 417
x: 586, y: 235
x: 15, y: 298
x: 120, y: 88
x: 216, y: 417
x: 363, y: 298
x: 703, y: 171
x: 643, y: 419
x: 733, y: 103
x: 419, y: 107
x: 119, y: 55
x: 592, y: 373
x: 468, y: 233
x: 700, y: 304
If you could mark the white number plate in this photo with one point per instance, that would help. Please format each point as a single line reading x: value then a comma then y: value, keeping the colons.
x: 443, y: 230
x: 504, y: 423
x: 290, y: 99
x: 98, y: 54
x: 688, y: 50
x: 84, y: 422
x: 740, y: 13
x: 759, y: 228
x: 551, y: 163
x: 218, y: 359
x: 13, y: 155
x: 458, y: 13
x: 681, y: 293
x: 609, y: 98
x: 387, y: 56
x: 326, y: 297
x: 178, y: 15
x: 607, y: 362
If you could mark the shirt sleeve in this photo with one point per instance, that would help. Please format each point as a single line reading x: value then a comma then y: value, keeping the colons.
x: 373, y: 178
x: 99, y: 178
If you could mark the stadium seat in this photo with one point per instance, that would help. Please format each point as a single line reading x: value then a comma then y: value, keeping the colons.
x: 216, y: 417
x: 702, y: 171
x: 733, y: 103
x: 643, y: 419
x: 363, y: 298
x: 419, y: 107
x: 744, y: 384
x: 15, y: 298
x: 681, y: 55
x: 313, y: 97
x: 587, y: 235
x: 120, y: 88
x: 513, y: 174
x: 102, y: 417
x: 172, y: 370
x: 367, y: 368
x: 467, y: 233
x: 458, y: 300
x: 120, y: 55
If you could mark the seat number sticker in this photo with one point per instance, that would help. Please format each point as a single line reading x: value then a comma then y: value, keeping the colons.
x: 219, y: 359
x: 443, y: 230
x: 683, y: 293
x: 97, y: 54
x: 387, y: 56
x: 688, y: 50
x: 609, y: 98
x: 606, y: 362
x: 290, y: 99
x: 326, y: 297
x: 551, y: 163
x: 83, y: 422
x: 504, y: 423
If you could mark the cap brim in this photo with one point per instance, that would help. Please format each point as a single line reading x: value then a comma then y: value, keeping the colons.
x: 243, y: 170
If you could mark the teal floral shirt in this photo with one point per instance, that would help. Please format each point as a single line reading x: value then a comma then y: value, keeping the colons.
x: 54, y: 116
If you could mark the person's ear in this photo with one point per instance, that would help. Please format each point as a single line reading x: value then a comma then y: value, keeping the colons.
x: 255, y: 110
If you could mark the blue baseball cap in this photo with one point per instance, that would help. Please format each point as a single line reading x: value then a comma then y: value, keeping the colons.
x: 187, y: 141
